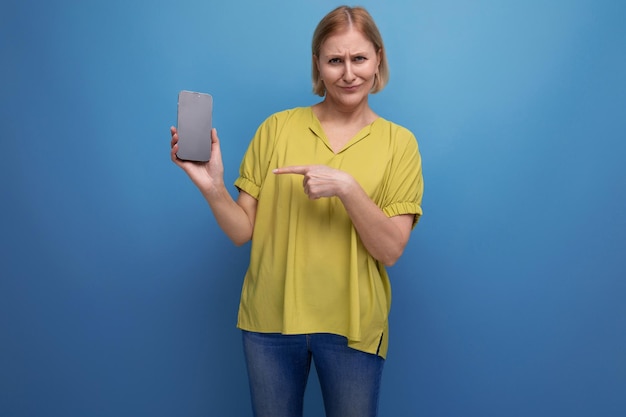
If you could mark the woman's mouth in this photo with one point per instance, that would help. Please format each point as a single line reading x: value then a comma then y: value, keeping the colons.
x: 350, y: 88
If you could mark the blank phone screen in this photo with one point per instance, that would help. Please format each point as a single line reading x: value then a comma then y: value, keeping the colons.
x: 194, y: 126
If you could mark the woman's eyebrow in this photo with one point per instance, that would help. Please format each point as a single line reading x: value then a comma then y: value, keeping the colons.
x: 342, y: 54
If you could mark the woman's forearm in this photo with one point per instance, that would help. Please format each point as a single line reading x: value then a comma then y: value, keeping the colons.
x: 384, y: 237
x: 235, y: 218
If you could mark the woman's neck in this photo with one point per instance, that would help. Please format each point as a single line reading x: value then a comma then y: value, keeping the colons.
x: 328, y: 112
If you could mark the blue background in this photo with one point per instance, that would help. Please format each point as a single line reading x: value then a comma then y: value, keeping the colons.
x: 119, y: 293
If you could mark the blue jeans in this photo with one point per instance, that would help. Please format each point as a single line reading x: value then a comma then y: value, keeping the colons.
x: 278, y: 370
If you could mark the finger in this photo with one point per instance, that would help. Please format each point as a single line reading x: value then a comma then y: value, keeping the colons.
x: 295, y: 169
x: 215, y: 144
x: 173, y: 152
x: 174, y: 134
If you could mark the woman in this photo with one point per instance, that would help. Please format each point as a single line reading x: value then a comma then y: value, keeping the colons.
x: 328, y: 194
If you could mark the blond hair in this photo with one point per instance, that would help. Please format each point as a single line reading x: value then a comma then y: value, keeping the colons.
x: 344, y: 17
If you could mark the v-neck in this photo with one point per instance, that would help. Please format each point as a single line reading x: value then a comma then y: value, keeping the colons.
x: 316, y: 128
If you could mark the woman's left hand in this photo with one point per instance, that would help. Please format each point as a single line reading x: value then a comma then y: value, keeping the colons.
x: 320, y: 180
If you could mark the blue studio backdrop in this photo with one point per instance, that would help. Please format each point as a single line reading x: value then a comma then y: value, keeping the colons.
x: 119, y: 293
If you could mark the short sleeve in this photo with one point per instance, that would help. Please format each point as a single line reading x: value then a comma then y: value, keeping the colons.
x: 405, y: 185
x: 255, y: 163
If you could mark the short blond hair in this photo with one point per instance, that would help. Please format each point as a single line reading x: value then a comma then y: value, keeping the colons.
x: 344, y: 17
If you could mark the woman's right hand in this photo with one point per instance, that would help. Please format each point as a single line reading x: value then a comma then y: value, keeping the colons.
x: 205, y: 175
x: 235, y: 218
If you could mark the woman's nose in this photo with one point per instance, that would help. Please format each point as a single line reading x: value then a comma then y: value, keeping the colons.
x: 348, y: 74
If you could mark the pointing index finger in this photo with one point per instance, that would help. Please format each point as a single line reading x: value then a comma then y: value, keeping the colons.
x: 294, y: 169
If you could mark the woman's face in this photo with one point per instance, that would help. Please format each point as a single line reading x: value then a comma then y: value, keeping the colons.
x: 347, y: 64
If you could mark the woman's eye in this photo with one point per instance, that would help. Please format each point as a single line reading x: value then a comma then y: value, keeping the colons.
x: 339, y: 60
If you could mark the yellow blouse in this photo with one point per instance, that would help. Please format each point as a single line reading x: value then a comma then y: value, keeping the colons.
x: 309, y: 271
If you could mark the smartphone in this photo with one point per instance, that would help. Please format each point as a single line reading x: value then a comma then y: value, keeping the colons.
x: 195, y: 120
